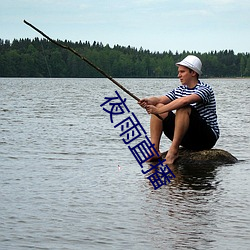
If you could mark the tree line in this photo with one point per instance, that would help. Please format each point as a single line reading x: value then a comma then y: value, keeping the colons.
x: 40, y: 58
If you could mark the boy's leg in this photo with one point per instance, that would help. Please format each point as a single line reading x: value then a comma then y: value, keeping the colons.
x: 181, y: 127
x: 156, y: 128
x: 199, y: 135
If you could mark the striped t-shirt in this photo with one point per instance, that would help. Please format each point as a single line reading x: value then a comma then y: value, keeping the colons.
x: 206, y: 108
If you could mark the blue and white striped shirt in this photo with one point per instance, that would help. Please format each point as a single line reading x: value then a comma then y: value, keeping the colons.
x: 206, y: 108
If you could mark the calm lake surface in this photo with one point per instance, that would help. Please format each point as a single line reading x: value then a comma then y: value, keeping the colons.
x: 61, y: 187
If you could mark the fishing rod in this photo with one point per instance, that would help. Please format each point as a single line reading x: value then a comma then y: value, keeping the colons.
x: 87, y: 61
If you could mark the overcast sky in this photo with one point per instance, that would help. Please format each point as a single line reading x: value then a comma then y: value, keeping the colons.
x: 157, y: 25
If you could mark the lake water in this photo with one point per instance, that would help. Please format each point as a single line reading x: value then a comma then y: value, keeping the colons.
x: 61, y: 187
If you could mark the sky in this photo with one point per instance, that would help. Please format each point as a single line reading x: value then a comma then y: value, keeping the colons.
x: 155, y: 25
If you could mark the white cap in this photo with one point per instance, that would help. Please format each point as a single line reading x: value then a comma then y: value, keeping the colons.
x: 191, y: 62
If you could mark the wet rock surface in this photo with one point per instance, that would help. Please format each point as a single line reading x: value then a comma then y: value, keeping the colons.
x: 204, y: 157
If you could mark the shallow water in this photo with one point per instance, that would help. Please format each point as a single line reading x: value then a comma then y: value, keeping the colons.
x: 61, y: 187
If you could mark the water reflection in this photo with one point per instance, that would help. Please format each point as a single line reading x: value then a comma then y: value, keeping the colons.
x: 188, y: 177
x: 195, y: 177
x: 183, y: 207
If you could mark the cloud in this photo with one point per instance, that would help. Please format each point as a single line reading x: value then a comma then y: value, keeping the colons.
x: 152, y: 24
x: 83, y: 6
x: 225, y: 5
x: 222, y: 2
x: 149, y: 2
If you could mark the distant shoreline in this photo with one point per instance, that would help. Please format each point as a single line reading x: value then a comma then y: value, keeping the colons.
x: 41, y: 58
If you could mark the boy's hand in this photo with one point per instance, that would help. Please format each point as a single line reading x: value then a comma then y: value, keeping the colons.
x: 151, y: 109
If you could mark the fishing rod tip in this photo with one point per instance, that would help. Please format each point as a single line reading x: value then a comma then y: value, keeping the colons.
x: 26, y: 22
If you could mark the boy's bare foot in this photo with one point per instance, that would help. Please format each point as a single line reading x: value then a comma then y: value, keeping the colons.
x: 155, y: 157
x: 171, y: 156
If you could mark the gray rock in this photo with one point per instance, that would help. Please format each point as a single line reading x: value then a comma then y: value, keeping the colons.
x: 205, y: 157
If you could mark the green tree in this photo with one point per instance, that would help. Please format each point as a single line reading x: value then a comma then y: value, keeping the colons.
x: 247, y: 69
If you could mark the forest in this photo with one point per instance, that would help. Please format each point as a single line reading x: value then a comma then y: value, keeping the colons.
x: 41, y: 58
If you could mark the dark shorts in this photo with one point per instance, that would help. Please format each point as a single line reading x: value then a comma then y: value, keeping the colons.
x: 199, y: 135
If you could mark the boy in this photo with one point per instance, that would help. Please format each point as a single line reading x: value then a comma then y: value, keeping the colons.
x: 194, y: 125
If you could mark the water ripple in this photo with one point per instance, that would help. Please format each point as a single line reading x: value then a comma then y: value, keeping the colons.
x: 61, y: 187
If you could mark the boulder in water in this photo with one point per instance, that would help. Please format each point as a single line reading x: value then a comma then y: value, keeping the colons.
x: 204, y: 157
